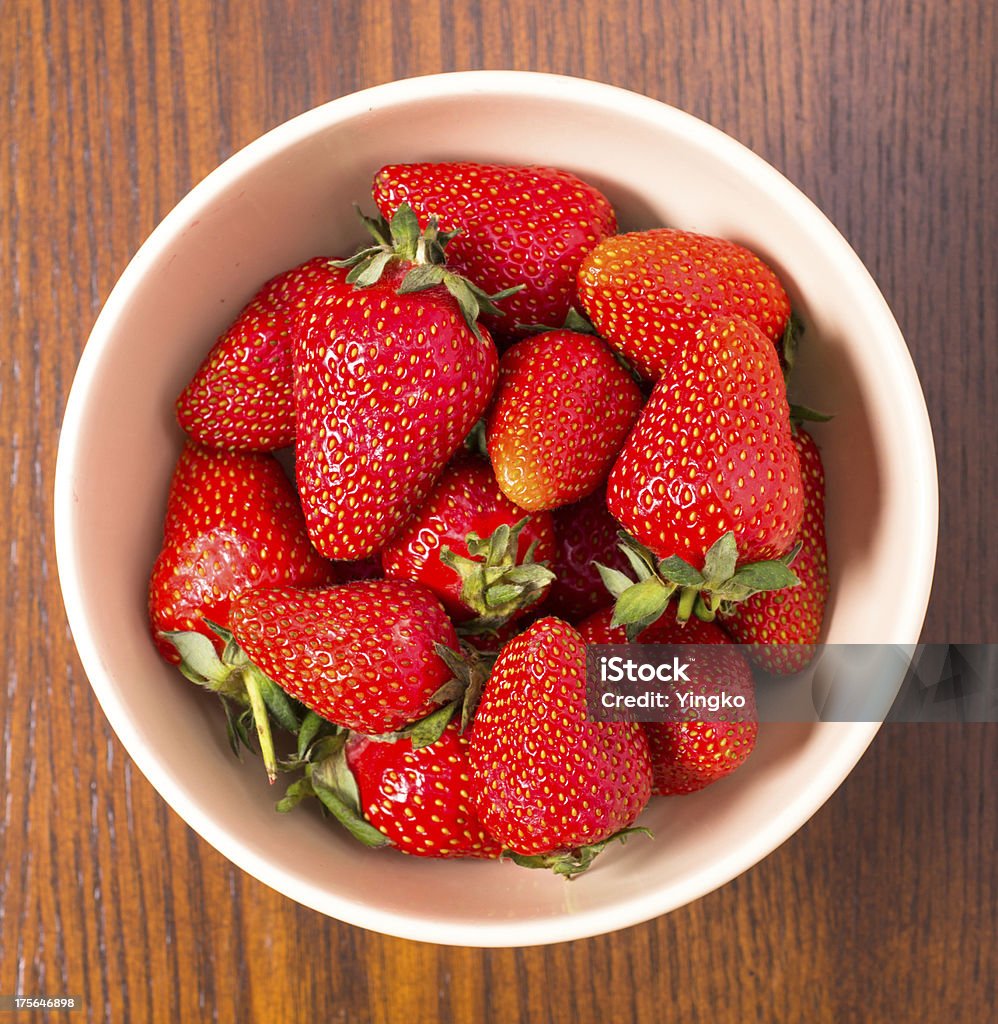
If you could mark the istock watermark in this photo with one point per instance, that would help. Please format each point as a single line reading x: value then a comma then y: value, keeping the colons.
x: 842, y: 683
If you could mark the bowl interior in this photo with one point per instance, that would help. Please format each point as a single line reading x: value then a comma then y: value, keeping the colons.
x: 288, y: 197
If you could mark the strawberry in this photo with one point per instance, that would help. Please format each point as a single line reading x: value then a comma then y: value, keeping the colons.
x: 784, y: 625
x: 709, y: 479
x: 232, y: 523
x: 552, y: 786
x: 688, y: 755
x: 420, y: 798
x: 586, y: 533
x: 433, y: 547
x: 562, y: 409
x: 388, y: 382
x: 241, y: 397
x: 649, y: 293
x: 527, y: 226
x: 362, y: 655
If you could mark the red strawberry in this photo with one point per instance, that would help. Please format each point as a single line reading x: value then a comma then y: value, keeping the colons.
x: 387, y: 385
x: 689, y: 755
x: 362, y: 655
x: 784, y: 625
x: 241, y: 397
x: 466, y: 500
x: 709, y: 478
x: 562, y: 410
x: 527, y: 226
x: 586, y: 533
x: 421, y: 798
x: 232, y: 523
x: 549, y: 782
x: 649, y: 293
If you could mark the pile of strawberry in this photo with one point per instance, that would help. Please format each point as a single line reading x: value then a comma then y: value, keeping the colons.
x: 407, y: 619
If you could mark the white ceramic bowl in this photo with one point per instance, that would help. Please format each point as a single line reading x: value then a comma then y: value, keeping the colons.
x: 287, y: 197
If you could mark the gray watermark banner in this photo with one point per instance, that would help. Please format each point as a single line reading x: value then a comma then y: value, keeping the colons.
x: 840, y: 683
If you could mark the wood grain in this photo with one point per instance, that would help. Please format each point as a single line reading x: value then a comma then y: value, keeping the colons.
x: 882, y: 908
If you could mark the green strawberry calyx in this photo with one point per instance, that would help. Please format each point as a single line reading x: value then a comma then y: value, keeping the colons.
x: 495, y: 583
x: 401, y: 241
x: 721, y: 582
x: 327, y: 777
x: 571, y: 863
x: 250, y: 697
x: 461, y: 693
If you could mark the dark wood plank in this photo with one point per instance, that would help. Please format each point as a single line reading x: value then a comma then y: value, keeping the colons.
x: 883, y: 907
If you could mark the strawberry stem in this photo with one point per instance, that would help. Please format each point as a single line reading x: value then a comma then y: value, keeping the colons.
x: 261, y: 720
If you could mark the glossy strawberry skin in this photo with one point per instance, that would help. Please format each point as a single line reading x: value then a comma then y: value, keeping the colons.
x: 527, y: 226
x: 585, y: 534
x: 785, y: 625
x: 545, y: 777
x: 712, y: 452
x: 233, y: 522
x: 466, y: 499
x: 649, y: 292
x: 387, y: 387
x: 562, y: 410
x: 242, y: 397
x: 360, y: 654
x: 688, y: 756
x: 421, y: 799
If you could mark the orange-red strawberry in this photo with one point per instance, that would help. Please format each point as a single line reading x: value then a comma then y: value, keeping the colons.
x: 420, y: 798
x: 467, y: 501
x: 548, y: 782
x: 650, y: 292
x: 528, y: 226
x: 362, y: 655
x: 784, y: 625
x: 241, y: 397
x: 688, y: 755
x: 562, y: 409
x: 233, y: 522
x: 585, y: 533
x: 709, y: 479
x: 388, y: 382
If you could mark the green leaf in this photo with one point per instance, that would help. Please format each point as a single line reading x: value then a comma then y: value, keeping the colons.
x: 198, y: 656
x: 337, y: 790
x: 428, y: 730
x: 680, y: 572
x: 720, y: 560
x: 369, y: 272
x: 295, y: 793
x: 803, y: 413
x: 578, y: 322
x: 234, y: 729
x: 307, y: 731
x: 642, y: 601
x: 500, y: 594
x: 570, y: 863
x: 377, y: 227
x: 614, y: 580
x: 278, y: 703
x: 641, y: 559
x: 771, y: 575
x: 530, y: 574
x: 453, y: 689
x: 420, y: 278
x: 467, y: 302
x: 404, y: 228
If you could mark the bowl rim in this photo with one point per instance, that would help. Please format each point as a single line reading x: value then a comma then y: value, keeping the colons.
x: 909, y: 611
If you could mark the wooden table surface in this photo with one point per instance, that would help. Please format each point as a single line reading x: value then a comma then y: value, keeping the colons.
x: 884, y: 906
